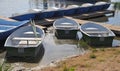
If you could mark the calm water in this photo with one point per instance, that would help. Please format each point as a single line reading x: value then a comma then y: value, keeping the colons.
x: 114, y: 20
x: 53, y: 49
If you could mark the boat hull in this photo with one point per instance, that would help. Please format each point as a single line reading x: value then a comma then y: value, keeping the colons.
x: 98, y: 41
x: 68, y: 34
x: 23, y: 52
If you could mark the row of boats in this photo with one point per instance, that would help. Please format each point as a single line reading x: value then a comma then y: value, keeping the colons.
x: 26, y: 40
x: 66, y: 11
x: 93, y: 34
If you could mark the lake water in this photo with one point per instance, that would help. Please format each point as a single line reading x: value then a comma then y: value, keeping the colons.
x: 10, y: 7
x: 53, y: 48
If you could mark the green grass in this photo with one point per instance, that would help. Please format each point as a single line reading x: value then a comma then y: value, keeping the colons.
x: 68, y: 68
x: 92, y: 56
x: 5, y: 67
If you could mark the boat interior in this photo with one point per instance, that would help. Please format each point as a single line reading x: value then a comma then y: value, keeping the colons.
x: 25, y: 38
x: 96, y: 30
x: 65, y: 23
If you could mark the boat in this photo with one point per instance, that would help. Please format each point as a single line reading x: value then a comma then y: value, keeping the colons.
x: 7, y: 27
x: 97, y: 35
x: 65, y: 28
x: 24, y: 42
x: 63, y: 11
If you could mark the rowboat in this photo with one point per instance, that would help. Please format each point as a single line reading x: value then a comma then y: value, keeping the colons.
x: 25, y: 42
x: 97, y: 35
x: 7, y: 27
x: 65, y: 28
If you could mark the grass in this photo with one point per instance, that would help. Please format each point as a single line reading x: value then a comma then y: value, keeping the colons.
x: 5, y: 67
x: 92, y: 56
x: 84, y: 44
x: 68, y: 69
x: 97, y: 59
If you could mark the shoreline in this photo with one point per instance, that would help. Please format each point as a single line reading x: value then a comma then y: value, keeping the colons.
x: 103, y: 58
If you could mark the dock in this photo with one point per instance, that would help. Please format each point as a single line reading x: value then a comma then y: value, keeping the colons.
x: 95, y: 14
x: 81, y: 20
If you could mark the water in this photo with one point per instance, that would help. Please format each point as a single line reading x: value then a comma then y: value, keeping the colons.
x: 53, y: 49
x: 10, y: 7
x: 114, y: 20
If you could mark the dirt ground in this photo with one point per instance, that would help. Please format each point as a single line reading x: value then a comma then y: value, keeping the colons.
x: 97, y: 59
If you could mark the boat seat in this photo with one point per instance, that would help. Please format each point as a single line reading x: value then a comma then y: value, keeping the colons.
x: 27, y: 43
x: 65, y: 26
x: 97, y: 32
x: 27, y: 38
x: 30, y: 32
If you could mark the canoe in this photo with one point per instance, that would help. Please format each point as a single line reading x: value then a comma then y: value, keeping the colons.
x: 25, y: 42
x: 65, y: 28
x: 7, y: 27
x: 97, y: 35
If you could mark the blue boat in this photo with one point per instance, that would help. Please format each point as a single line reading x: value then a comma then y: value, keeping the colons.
x: 23, y: 17
x: 60, y: 12
x: 69, y: 11
x: 7, y: 27
x: 45, y: 14
x: 82, y: 10
x: 98, y: 6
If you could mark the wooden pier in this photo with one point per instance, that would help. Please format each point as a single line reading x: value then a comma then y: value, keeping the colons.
x: 79, y: 19
x: 95, y: 14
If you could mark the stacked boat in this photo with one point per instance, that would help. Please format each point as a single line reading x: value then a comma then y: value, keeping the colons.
x: 97, y: 35
x: 65, y: 28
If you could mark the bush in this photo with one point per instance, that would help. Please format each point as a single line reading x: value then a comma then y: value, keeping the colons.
x: 93, y: 56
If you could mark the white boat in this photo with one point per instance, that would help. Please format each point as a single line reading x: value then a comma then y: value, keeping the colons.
x: 26, y: 41
x: 95, y: 34
x: 65, y: 28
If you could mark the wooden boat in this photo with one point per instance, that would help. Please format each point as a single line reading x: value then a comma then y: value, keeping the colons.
x: 7, y: 27
x: 25, y: 42
x: 97, y: 35
x: 65, y: 28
